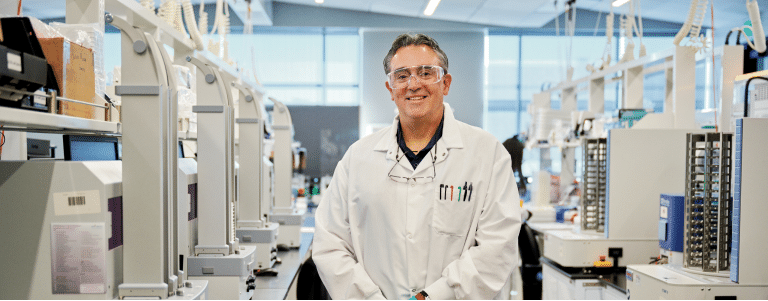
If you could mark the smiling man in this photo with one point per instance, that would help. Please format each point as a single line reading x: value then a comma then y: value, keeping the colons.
x: 441, y: 228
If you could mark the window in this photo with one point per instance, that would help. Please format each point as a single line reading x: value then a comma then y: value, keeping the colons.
x: 303, y: 66
x: 522, y: 64
x: 502, y: 86
x: 655, y: 84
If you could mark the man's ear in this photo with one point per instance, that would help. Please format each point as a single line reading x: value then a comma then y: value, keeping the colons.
x: 447, y: 83
x: 391, y: 93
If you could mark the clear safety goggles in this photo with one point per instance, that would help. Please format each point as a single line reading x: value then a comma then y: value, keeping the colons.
x: 425, y: 74
x: 417, y: 180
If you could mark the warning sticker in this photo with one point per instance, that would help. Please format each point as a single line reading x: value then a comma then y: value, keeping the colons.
x: 78, y: 258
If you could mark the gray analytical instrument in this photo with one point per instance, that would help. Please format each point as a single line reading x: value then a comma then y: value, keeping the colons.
x: 218, y: 258
x: 253, y: 226
x: 724, y: 240
x: 623, y: 177
x: 284, y: 211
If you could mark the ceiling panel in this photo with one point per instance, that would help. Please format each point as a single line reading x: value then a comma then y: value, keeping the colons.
x: 520, y: 6
x: 517, y: 13
x: 341, y: 4
x: 410, y: 8
x: 457, y: 10
x: 501, y: 18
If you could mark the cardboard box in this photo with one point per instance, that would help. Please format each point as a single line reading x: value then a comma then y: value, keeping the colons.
x: 73, y: 67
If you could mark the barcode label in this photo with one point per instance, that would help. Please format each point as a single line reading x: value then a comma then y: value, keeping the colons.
x: 76, y: 200
x: 14, y: 62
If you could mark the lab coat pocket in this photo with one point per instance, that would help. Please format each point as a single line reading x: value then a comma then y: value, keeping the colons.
x: 453, y: 209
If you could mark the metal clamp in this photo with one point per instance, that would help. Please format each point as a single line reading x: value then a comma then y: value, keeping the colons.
x: 207, y: 70
x: 139, y: 45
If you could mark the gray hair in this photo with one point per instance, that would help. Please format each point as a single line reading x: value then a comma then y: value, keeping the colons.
x: 406, y: 39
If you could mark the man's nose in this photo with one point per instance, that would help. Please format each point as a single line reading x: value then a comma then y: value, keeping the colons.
x: 414, y: 83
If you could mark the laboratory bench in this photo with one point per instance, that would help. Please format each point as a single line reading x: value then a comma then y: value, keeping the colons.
x: 278, y: 287
x: 605, y: 283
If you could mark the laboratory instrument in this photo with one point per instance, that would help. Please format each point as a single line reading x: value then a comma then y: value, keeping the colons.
x: 219, y: 257
x: 284, y: 211
x: 253, y: 226
x: 723, y: 251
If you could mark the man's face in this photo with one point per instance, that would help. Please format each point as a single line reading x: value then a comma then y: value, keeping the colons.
x: 417, y: 100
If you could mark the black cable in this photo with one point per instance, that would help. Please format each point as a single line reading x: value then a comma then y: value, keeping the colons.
x: 728, y: 36
x: 738, y: 39
x: 746, y: 93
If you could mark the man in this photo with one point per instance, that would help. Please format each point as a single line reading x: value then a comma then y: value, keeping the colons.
x: 515, y: 149
x: 441, y: 223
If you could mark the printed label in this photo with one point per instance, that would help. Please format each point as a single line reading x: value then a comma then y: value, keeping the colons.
x: 40, y: 98
x: 664, y: 212
x: 14, y: 62
x: 77, y: 202
x: 78, y: 258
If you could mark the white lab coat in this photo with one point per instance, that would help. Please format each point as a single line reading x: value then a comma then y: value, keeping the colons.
x: 376, y: 238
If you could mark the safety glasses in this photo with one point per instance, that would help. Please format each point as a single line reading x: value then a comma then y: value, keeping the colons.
x: 425, y: 74
x: 417, y: 180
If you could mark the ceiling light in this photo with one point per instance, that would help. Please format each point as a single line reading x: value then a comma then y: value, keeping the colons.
x: 618, y: 3
x: 319, y: 1
x: 431, y: 6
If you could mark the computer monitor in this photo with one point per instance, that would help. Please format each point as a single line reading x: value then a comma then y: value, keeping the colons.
x: 90, y: 148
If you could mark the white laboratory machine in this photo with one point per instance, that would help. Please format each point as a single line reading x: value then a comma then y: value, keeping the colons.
x: 218, y: 257
x: 284, y: 211
x: 62, y: 232
x: 624, y: 176
x: 253, y: 226
x: 151, y: 265
x: 724, y: 241
x: 103, y: 229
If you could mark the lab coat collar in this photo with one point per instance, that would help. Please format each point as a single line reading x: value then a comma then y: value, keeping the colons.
x: 451, y: 137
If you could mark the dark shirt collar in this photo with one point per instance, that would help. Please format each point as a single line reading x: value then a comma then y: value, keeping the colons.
x: 415, y: 159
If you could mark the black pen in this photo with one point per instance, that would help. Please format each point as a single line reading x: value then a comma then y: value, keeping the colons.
x: 470, y: 192
x: 465, y: 191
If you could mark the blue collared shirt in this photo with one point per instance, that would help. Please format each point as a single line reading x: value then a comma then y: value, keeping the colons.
x: 415, y: 159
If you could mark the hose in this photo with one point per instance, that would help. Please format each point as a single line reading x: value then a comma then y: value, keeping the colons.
x: 189, y: 18
x: 639, y: 27
x: 169, y: 12
x: 757, y: 27
x: 217, y: 16
x: 698, y: 18
x: 202, y: 21
x: 687, y: 25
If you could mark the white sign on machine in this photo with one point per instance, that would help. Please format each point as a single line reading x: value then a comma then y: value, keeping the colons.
x: 78, y: 258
